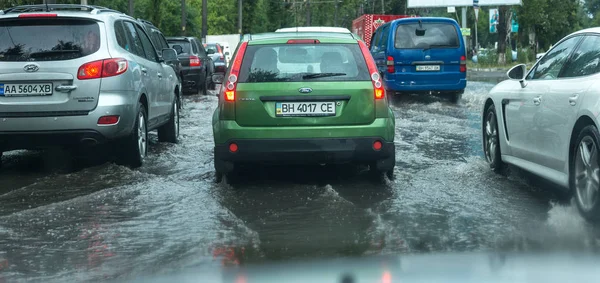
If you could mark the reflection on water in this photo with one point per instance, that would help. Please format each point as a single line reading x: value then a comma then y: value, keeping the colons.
x: 108, y: 221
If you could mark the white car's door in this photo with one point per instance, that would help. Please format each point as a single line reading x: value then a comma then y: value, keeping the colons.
x: 558, y: 113
x: 527, y: 131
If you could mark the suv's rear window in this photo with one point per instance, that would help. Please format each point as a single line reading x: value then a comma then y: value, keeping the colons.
x: 48, y: 39
x: 437, y: 35
x: 297, y: 62
x: 181, y: 46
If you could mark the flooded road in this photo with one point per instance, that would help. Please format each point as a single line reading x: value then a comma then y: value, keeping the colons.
x: 103, y: 221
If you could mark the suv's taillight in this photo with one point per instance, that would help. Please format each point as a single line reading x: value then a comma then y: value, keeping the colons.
x: 102, y: 69
x: 194, y: 61
x: 39, y: 15
x: 463, y: 64
x: 390, y: 65
x: 231, y: 84
x: 378, y: 89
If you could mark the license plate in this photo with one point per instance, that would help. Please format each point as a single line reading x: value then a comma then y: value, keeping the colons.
x: 298, y: 109
x: 26, y: 89
x: 428, y: 68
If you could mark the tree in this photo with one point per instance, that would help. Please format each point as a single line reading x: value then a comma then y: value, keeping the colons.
x: 503, y: 32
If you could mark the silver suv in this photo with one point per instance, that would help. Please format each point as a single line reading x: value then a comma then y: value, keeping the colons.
x: 75, y: 75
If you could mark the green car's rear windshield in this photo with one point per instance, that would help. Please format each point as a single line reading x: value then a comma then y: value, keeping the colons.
x: 299, y: 62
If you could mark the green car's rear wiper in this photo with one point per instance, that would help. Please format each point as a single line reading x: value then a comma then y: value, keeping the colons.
x: 322, y: 75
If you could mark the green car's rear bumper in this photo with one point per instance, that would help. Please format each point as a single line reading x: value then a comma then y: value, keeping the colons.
x: 304, y: 145
x: 337, y: 150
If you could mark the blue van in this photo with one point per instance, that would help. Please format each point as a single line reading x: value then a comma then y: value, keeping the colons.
x: 421, y: 55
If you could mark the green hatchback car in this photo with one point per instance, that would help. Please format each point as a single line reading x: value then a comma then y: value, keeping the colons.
x: 303, y: 98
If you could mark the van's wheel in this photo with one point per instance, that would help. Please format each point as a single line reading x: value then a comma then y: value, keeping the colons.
x: 455, y: 97
x: 585, y: 177
x: 491, y: 140
x: 169, y: 132
x: 135, y: 146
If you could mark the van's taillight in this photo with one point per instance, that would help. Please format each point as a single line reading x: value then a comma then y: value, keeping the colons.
x: 102, y: 69
x: 231, y: 84
x: 390, y: 65
x: 45, y: 15
x: 194, y: 61
x: 463, y: 64
x: 378, y: 90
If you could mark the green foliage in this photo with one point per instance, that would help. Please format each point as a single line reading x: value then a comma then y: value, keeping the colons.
x: 549, y: 19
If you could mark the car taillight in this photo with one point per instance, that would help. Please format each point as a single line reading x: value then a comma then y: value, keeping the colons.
x: 303, y: 41
x: 463, y: 64
x: 108, y: 120
x: 220, y: 69
x: 102, y: 69
x: 194, y: 61
x: 222, y: 57
x: 231, y: 83
x: 390, y: 65
x: 45, y: 15
x: 378, y: 89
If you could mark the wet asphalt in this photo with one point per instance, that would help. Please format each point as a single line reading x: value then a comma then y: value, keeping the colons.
x: 64, y: 221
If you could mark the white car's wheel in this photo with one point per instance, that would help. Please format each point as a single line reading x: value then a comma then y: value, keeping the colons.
x: 586, y: 173
x: 491, y: 140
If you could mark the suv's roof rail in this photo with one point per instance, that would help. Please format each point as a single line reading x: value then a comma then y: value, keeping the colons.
x: 146, y: 22
x: 56, y: 7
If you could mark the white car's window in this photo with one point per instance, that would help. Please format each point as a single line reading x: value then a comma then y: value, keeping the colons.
x: 551, y: 64
x: 585, y: 60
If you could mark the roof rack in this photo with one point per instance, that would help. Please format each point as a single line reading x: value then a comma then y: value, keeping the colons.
x: 146, y: 22
x: 56, y: 7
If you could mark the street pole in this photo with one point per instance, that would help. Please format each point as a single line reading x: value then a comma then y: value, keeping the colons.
x: 307, y: 13
x: 131, y: 8
x: 464, y: 23
x: 84, y: 2
x: 382, y: 7
x: 183, y: 17
x: 335, y: 15
x: 204, y: 20
x: 240, y: 17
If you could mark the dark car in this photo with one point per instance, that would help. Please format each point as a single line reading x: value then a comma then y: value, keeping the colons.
x: 160, y: 42
x: 198, y: 67
x: 219, y: 60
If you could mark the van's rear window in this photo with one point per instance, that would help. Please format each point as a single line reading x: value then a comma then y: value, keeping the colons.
x: 47, y: 39
x: 300, y: 62
x: 436, y: 35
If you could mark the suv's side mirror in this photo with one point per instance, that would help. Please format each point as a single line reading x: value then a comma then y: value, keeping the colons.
x: 169, y: 55
x: 210, y: 51
x: 517, y: 73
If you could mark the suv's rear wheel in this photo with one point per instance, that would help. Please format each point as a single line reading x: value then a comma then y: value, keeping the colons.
x: 135, y: 146
x: 169, y: 132
x: 207, y: 82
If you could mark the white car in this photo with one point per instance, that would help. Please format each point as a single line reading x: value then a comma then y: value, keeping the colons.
x: 545, y: 120
x: 227, y: 52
